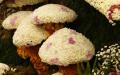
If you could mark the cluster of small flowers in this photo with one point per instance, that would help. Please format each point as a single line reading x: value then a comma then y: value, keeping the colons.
x: 109, y: 59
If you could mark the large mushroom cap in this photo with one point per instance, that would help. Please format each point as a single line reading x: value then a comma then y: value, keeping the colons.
x: 28, y: 34
x: 53, y: 13
x: 20, y: 3
x: 13, y: 20
x: 65, y: 47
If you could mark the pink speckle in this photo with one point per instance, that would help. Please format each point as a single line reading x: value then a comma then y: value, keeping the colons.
x: 55, y: 61
x: 13, y: 20
x: 64, y: 9
x: 111, y: 10
x: 37, y: 21
x: 71, y: 40
x: 89, y: 55
x: 49, y: 45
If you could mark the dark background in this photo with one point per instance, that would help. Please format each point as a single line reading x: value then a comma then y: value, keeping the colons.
x: 90, y: 22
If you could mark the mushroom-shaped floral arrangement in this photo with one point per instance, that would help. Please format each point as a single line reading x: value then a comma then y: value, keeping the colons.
x: 20, y: 3
x: 53, y: 16
x: 110, y: 8
x: 13, y: 20
x: 33, y: 31
x: 64, y: 48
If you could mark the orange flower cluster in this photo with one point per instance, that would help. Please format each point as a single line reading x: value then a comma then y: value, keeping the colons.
x: 68, y: 70
x: 32, y: 53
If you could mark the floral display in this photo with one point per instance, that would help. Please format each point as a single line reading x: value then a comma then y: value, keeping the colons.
x: 59, y: 37
x: 109, y: 60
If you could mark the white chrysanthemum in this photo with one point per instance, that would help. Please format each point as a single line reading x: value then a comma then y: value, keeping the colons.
x: 3, y: 68
x: 65, y: 47
x: 53, y: 13
x: 104, y: 7
x: 13, y: 20
x: 20, y: 3
x: 58, y: 73
x: 28, y: 34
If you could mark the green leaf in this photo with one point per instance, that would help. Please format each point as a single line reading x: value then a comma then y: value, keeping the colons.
x: 95, y: 62
x: 79, y: 69
x: 88, y: 69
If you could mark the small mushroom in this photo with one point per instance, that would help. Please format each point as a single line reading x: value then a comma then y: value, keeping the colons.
x: 66, y: 47
x: 31, y: 32
x: 20, y: 3
x: 13, y: 20
x: 28, y: 34
x: 1, y: 1
x: 4, y: 68
x: 110, y: 8
x: 53, y: 16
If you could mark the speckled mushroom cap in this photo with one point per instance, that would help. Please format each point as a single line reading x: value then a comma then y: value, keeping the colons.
x: 28, y: 34
x: 110, y: 8
x: 13, y: 20
x: 53, y: 13
x: 65, y: 47
x: 20, y: 3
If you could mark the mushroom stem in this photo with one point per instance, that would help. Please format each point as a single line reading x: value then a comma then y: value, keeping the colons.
x: 32, y: 53
x: 22, y: 52
x: 52, y: 27
x: 68, y: 70
x: 40, y: 67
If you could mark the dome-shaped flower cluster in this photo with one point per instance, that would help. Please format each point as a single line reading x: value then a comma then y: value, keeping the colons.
x: 109, y: 60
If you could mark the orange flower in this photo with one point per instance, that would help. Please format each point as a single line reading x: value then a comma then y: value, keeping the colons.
x: 32, y: 53
x: 68, y: 70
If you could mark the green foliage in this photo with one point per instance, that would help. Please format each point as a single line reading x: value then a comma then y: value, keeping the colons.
x: 84, y: 69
